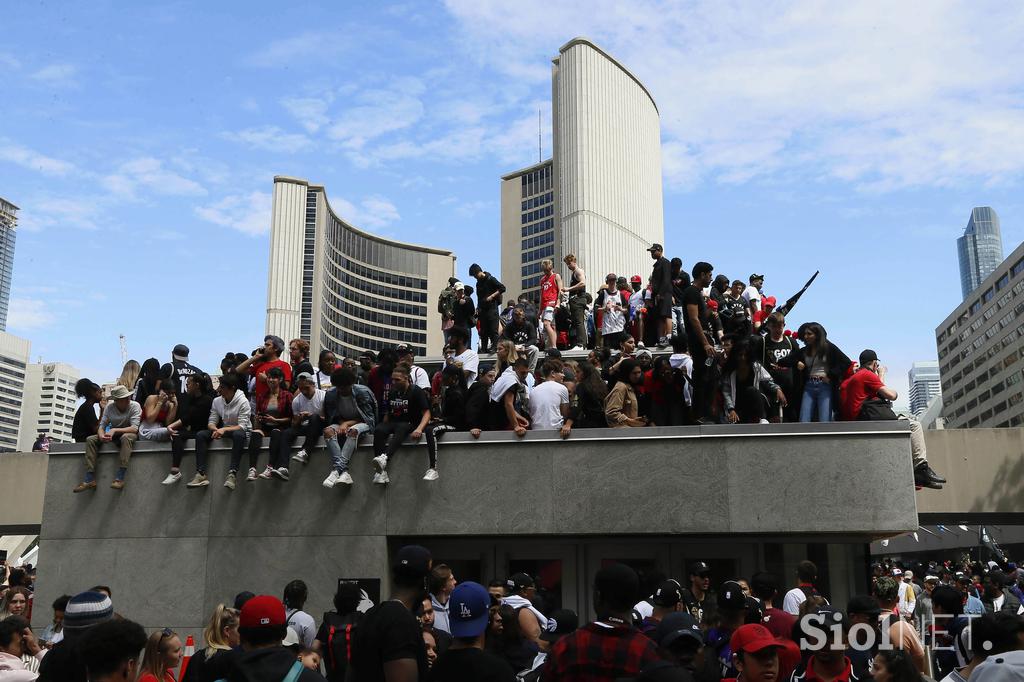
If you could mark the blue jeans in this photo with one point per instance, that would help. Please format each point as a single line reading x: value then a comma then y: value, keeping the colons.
x: 341, y: 455
x: 817, y: 397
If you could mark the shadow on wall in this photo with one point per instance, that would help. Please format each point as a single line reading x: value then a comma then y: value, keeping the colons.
x: 1007, y: 488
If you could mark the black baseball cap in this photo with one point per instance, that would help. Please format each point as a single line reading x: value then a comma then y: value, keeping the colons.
x: 413, y: 561
x: 404, y: 349
x: 667, y: 594
x: 867, y: 356
x: 731, y: 597
x: 676, y: 625
x: 656, y: 247
x: 519, y: 581
x: 565, y: 623
x: 699, y: 568
x: 756, y: 276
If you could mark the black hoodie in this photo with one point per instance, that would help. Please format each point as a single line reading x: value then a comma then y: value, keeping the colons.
x: 267, y: 665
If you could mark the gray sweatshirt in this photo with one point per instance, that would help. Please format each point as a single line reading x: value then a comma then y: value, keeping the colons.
x: 116, y: 419
x: 236, y: 413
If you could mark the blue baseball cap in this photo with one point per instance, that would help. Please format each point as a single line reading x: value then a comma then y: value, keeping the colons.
x: 467, y: 609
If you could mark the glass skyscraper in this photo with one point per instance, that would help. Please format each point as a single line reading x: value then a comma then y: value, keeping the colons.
x: 980, y: 249
x: 8, y: 222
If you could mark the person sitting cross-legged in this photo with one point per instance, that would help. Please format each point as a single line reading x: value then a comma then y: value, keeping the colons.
x: 307, y: 411
x: 119, y: 425
x: 407, y: 415
x: 230, y: 417
x: 350, y: 410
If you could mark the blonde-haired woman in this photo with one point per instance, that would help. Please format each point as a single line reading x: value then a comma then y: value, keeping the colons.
x: 160, y: 657
x: 130, y: 376
x: 220, y: 637
x: 506, y: 355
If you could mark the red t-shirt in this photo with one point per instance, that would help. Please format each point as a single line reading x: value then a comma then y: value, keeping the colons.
x: 548, y: 292
x: 863, y: 385
x: 258, y: 368
x: 779, y: 622
x: 150, y: 677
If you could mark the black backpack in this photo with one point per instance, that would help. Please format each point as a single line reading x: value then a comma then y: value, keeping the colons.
x: 876, y: 410
x: 338, y: 654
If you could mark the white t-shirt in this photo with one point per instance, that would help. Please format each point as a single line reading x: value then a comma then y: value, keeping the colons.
x: 420, y: 377
x: 314, y: 405
x: 546, y: 400
x: 751, y: 294
x: 794, y: 598
x: 323, y: 380
x: 613, y: 320
x: 470, y: 363
x: 684, y: 363
x: 304, y: 626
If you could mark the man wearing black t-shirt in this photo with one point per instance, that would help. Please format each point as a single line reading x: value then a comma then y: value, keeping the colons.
x: 466, y: 660
x: 701, y: 347
x: 488, y: 300
x: 387, y: 645
x: 769, y: 350
x: 407, y: 415
x: 179, y: 370
x: 661, y: 291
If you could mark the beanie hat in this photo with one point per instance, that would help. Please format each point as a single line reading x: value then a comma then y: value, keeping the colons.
x: 87, y: 609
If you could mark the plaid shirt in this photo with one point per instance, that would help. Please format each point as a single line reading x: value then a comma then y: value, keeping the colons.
x: 598, y: 652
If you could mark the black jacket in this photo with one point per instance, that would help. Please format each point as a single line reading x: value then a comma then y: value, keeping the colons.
x: 266, y: 665
x: 661, y: 278
x: 477, y: 399
x: 485, y: 287
x: 525, y: 335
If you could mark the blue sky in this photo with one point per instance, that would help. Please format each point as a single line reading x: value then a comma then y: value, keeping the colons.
x: 141, y: 139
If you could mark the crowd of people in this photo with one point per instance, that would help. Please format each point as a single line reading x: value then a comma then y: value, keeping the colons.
x: 941, y: 621
x: 722, y: 354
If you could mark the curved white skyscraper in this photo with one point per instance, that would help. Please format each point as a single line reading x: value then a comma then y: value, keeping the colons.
x: 599, y: 196
x: 980, y: 249
x: 607, y: 162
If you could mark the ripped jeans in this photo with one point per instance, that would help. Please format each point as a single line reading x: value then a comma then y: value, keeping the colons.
x: 341, y: 453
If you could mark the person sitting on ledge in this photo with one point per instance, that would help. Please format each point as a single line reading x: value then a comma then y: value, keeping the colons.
x: 230, y: 416
x: 120, y: 425
x: 407, y: 415
x: 350, y: 410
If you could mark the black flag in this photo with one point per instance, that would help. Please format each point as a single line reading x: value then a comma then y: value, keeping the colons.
x: 787, y: 307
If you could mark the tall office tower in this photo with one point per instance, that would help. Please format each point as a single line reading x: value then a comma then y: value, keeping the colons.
x: 48, y: 405
x: 346, y: 290
x: 603, y: 201
x: 924, y: 385
x: 14, y: 354
x: 980, y: 352
x: 980, y: 249
x: 8, y: 223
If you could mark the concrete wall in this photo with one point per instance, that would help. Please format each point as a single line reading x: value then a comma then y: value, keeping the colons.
x: 22, y: 484
x: 172, y: 553
x: 984, y: 467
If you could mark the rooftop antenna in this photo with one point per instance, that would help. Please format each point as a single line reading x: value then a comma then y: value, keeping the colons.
x: 124, y: 348
x: 540, y: 154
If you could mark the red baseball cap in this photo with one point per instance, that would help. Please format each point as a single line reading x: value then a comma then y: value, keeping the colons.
x: 263, y: 611
x: 770, y: 300
x: 753, y: 637
x: 635, y: 278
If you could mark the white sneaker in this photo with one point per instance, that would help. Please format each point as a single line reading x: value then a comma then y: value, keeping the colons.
x: 301, y: 456
x: 331, y: 479
x: 198, y: 481
x: 381, y: 462
x: 229, y: 482
x: 266, y: 473
x: 345, y: 478
x: 764, y: 421
x: 577, y: 347
x: 252, y: 474
x: 381, y: 478
x: 281, y: 473
x: 172, y: 478
x: 431, y: 475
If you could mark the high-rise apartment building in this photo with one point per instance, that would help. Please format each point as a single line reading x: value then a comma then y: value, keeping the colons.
x: 980, y: 249
x: 600, y: 195
x: 924, y: 385
x: 49, y: 403
x: 14, y: 353
x: 8, y: 223
x: 347, y: 290
x: 979, y: 347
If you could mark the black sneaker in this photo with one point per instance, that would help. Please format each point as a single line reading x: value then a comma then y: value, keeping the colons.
x: 921, y: 479
x: 932, y: 475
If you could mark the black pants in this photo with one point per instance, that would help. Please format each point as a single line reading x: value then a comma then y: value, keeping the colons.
x: 274, y: 450
x: 433, y: 432
x: 312, y: 430
x: 178, y: 447
x: 488, y: 316
x: 203, y: 439
x: 750, y: 405
x: 388, y: 437
x: 702, y: 374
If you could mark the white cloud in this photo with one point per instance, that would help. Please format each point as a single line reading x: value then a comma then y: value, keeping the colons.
x: 56, y: 74
x: 247, y: 213
x: 373, y: 212
x: 54, y: 211
x: 33, y: 160
x: 272, y: 139
x: 29, y: 314
x: 369, y: 114
x: 150, y: 173
x: 868, y: 93
x: 311, y: 112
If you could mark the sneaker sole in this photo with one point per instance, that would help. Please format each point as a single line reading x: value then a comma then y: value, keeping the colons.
x: 197, y: 485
